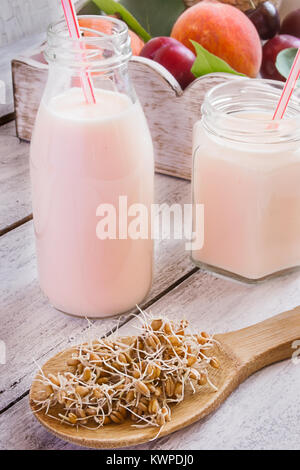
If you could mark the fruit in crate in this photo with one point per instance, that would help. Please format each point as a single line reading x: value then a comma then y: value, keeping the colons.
x: 224, y: 31
x: 173, y: 55
x: 291, y: 24
x: 137, y: 43
x: 265, y: 18
x: 270, y: 51
x: 99, y: 24
x: 241, y: 4
x: 152, y: 46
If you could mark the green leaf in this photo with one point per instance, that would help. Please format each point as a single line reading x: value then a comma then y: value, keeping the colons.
x: 284, y: 61
x: 145, y: 17
x: 208, y: 63
x: 110, y: 7
x: 156, y: 16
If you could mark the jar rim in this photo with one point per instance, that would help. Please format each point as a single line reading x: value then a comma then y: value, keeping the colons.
x: 115, y: 43
x: 224, y: 104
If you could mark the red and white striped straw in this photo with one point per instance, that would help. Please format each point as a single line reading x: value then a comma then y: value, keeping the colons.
x: 74, y: 30
x: 288, y: 89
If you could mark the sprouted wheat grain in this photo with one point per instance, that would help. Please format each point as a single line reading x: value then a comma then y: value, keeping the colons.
x: 140, y: 376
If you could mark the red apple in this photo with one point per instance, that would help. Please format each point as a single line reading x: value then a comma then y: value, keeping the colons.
x: 174, y: 56
x: 270, y: 51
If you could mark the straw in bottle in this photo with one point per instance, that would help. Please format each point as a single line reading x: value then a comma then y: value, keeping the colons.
x: 74, y: 30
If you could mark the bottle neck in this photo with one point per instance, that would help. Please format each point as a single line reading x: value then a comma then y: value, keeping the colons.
x: 103, y: 47
x: 103, y: 52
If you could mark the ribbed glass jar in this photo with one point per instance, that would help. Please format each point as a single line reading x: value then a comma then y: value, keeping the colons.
x: 246, y: 173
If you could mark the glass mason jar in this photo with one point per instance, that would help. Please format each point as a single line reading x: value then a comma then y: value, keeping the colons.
x: 246, y: 173
x: 92, y: 174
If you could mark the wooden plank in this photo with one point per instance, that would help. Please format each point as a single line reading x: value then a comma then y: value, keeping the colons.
x: 7, y: 54
x: 15, y: 200
x: 248, y: 419
x: 32, y: 329
x: 9, y: 130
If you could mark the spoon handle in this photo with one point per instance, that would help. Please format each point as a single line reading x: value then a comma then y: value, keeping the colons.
x: 267, y: 342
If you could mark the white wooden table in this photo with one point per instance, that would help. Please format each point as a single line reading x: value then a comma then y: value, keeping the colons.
x: 263, y: 413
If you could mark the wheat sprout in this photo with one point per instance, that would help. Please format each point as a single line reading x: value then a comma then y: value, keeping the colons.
x: 137, y: 377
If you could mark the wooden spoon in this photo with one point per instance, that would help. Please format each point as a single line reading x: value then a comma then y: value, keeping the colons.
x: 241, y: 353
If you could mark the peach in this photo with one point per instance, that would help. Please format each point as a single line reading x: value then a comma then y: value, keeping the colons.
x: 137, y: 43
x: 224, y: 31
x: 99, y: 24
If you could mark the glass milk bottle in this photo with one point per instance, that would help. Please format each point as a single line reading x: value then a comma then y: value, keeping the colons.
x: 246, y: 173
x: 91, y: 166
